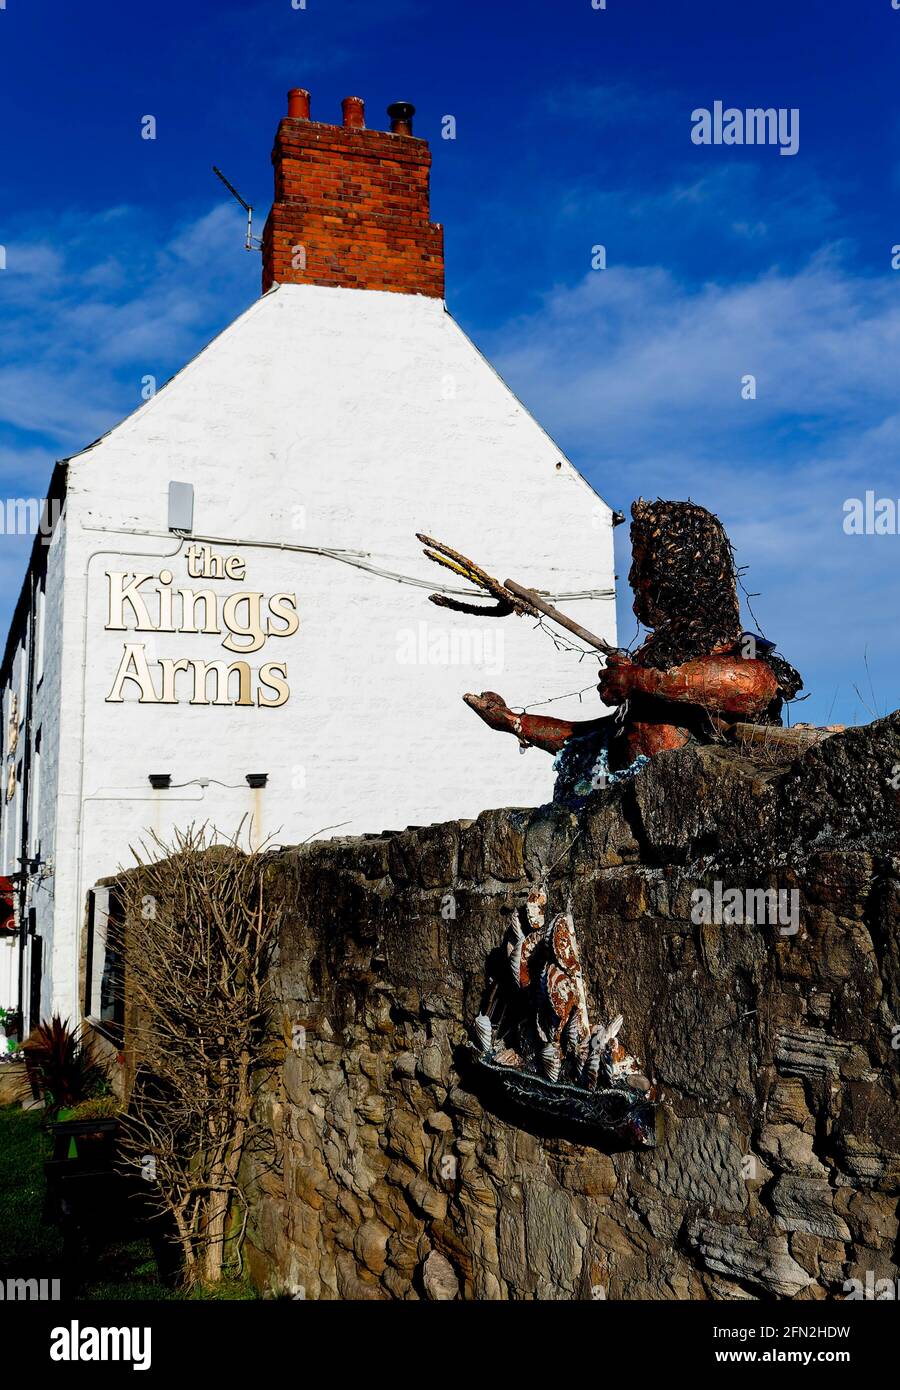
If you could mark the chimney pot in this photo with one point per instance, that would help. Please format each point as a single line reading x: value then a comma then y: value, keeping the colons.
x: 354, y: 109
x: 401, y: 114
x: 298, y: 103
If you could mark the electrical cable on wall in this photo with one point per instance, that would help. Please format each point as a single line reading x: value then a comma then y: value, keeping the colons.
x: 347, y: 557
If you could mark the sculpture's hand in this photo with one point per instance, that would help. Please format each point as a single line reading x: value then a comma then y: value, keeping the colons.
x: 619, y: 679
x: 493, y: 710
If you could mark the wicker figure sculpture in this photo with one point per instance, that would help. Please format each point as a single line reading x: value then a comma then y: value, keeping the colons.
x: 695, y: 670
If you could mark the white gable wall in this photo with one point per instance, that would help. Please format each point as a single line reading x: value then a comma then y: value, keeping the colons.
x: 331, y: 418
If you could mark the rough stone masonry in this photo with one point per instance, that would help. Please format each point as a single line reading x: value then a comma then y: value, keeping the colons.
x: 778, y: 1175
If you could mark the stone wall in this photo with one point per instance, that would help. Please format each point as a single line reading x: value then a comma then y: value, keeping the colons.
x: 385, y: 1176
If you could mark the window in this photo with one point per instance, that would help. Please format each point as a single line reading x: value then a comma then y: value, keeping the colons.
x: 23, y: 676
x: 34, y: 827
x: 39, y: 631
x: 104, y: 972
x: 35, y: 979
x: 15, y: 784
x: 4, y: 814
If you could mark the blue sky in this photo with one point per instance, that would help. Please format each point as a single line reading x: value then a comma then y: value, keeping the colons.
x: 573, y: 129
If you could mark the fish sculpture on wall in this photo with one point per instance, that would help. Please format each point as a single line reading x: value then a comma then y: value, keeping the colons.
x: 540, y: 1047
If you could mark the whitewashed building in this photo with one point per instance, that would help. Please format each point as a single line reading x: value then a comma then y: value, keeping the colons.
x: 227, y: 617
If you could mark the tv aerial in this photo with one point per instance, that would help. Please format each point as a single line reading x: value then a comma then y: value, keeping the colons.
x: 252, y: 243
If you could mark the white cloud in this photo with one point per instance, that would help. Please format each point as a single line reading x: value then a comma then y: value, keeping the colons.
x: 627, y: 351
x: 90, y: 313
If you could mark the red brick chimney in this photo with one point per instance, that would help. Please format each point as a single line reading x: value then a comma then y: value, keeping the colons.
x: 351, y: 205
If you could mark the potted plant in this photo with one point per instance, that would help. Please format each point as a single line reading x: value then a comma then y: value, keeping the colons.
x: 62, y: 1066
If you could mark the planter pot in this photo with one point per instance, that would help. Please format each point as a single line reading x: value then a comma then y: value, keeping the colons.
x: 90, y: 1141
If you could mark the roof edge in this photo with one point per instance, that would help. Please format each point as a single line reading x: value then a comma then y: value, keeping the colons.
x: 532, y: 417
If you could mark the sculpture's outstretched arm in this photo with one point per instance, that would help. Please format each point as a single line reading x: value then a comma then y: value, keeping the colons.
x: 532, y: 730
x: 722, y: 683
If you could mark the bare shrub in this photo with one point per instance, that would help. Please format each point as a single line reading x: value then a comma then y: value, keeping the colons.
x: 198, y: 943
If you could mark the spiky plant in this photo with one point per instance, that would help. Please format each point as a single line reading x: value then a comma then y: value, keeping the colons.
x: 62, y: 1065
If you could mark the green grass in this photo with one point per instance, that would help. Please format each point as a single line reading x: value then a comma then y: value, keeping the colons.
x: 24, y: 1241
x: 29, y: 1248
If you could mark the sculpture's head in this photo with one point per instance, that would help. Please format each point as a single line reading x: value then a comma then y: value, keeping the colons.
x: 684, y: 581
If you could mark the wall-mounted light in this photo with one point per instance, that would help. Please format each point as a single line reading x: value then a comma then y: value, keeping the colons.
x: 257, y: 779
x: 160, y: 781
